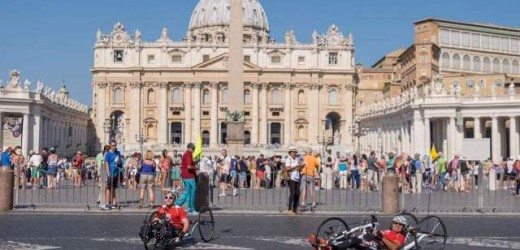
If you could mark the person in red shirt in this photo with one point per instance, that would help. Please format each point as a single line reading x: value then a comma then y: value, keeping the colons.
x: 176, y: 215
x: 188, y: 172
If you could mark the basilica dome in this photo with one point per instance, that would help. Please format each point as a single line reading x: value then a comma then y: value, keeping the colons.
x: 216, y: 13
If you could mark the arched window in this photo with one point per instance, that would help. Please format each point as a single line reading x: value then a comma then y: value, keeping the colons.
x: 205, y: 97
x: 456, y: 61
x: 476, y: 63
x: 516, y: 69
x: 302, y: 134
x: 150, y: 97
x: 247, y: 96
x: 445, y: 60
x: 505, y: 66
x: 118, y: 95
x: 333, y: 97
x: 224, y: 96
x: 466, y: 62
x: 276, y: 97
x: 177, y: 96
x: 301, y: 97
x: 487, y: 65
x: 496, y: 65
x: 150, y: 132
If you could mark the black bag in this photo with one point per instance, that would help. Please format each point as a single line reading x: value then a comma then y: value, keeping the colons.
x: 463, y: 167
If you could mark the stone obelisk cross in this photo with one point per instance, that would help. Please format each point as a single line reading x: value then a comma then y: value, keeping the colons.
x: 235, y: 113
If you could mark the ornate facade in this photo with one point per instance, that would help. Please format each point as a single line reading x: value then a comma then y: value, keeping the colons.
x: 40, y: 117
x: 456, y: 83
x: 170, y: 91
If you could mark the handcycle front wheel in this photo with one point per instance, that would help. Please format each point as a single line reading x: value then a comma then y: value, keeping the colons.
x: 431, y: 233
x: 149, y: 238
x: 330, y: 229
x: 206, y: 223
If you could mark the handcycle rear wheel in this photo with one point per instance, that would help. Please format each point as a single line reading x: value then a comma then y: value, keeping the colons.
x: 151, y: 232
x: 206, y: 223
x: 431, y: 233
x: 331, y: 228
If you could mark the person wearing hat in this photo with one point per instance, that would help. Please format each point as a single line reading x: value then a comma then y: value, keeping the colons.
x: 77, y: 163
x: 189, y: 173
x: 6, y: 157
x: 293, y: 166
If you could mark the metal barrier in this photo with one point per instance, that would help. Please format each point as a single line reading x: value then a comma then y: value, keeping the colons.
x: 274, y: 196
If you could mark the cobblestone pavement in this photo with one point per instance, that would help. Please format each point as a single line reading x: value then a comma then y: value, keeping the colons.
x: 113, y: 230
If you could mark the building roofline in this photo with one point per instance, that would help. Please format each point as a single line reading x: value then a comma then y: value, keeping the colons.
x: 481, y: 25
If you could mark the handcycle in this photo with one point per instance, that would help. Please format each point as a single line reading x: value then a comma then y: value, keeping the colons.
x: 158, y: 233
x: 430, y: 233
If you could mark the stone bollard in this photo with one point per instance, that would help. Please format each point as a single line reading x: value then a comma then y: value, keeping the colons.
x: 6, y: 189
x: 390, y: 199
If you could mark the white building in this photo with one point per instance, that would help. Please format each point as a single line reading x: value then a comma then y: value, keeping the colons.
x: 38, y: 118
x: 171, y: 90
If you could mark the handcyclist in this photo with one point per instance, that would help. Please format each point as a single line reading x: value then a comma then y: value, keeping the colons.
x: 178, y: 223
x: 393, y: 238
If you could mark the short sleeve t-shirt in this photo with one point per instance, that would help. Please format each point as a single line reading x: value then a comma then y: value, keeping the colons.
x: 187, y: 160
x: 174, y: 214
x: 311, y: 165
x: 6, y: 159
x: 112, y: 158
x: 295, y: 174
x: 393, y: 236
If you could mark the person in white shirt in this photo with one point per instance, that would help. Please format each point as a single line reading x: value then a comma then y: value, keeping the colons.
x: 35, y: 162
x: 293, y: 166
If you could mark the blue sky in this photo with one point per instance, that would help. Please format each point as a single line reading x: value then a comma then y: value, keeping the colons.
x: 52, y: 40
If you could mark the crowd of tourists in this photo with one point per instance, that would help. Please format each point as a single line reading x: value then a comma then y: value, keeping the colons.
x: 301, y: 172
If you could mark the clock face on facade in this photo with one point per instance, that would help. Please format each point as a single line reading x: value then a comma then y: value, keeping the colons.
x: 334, y: 40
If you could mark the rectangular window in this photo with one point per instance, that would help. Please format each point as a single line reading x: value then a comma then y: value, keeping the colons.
x: 118, y: 56
x: 176, y: 58
x: 276, y: 113
x: 333, y: 58
x: 176, y: 113
x: 475, y: 40
x: 465, y: 39
x: 276, y: 59
x: 470, y: 83
x: 151, y: 59
x: 247, y: 113
x: 205, y: 113
x: 301, y: 60
x: 504, y: 44
x: 205, y: 58
x: 482, y: 83
x: 455, y: 38
x: 445, y: 37
x: 486, y: 42
x: 495, y: 43
x: 514, y: 45
x: 247, y: 58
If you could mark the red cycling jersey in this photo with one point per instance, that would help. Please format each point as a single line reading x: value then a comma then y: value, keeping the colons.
x: 175, y: 215
x: 393, y: 236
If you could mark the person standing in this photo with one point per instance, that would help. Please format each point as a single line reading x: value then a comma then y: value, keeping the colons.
x: 35, y: 162
x: 147, y: 178
x: 112, y: 160
x: 176, y: 171
x: 372, y: 172
x: 293, y: 166
x: 188, y: 171
x: 52, y: 161
x: 6, y: 157
x: 309, y: 172
x: 416, y: 174
x: 100, y: 158
x: 166, y: 162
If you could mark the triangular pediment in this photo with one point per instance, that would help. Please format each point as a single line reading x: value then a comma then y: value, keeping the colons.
x: 221, y: 62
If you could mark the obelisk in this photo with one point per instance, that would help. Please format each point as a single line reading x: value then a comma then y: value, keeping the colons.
x: 235, y: 110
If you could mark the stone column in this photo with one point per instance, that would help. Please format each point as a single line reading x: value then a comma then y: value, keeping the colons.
x: 427, y: 137
x: 162, y: 131
x: 288, y: 111
x: 476, y: 128
x: 314, y: 117
x: 254, y: 130
x: 25, y: 134
x: 452, y: 137
x: 135, y: 111
x: 418, y: 131
x: 1, y: 131
x: 495, y: 140
x: 513, y: 137
x: 101, y: 112
x: 187, y: 112
x: 37, y: 130
x: 263, y: 114
x: 349, y: 118
x: 196, y: 111
x: 214, y: 115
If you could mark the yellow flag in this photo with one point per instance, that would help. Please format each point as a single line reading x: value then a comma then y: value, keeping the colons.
x: 433, y: 153
x: 198, y: 149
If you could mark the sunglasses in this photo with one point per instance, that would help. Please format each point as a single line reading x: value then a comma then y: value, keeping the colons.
x: 168, y: 197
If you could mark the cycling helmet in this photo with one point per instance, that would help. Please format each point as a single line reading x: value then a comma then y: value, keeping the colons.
x: 174, y: 193
x: 401, y: 220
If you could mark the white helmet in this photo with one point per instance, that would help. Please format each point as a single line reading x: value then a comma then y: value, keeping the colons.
x: 174, y: 193
x: 401, y: 220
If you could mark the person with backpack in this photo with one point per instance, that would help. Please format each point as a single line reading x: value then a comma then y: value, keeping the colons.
x: 452, y: 171
x: 464, y: 174
x: 416, y: 170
